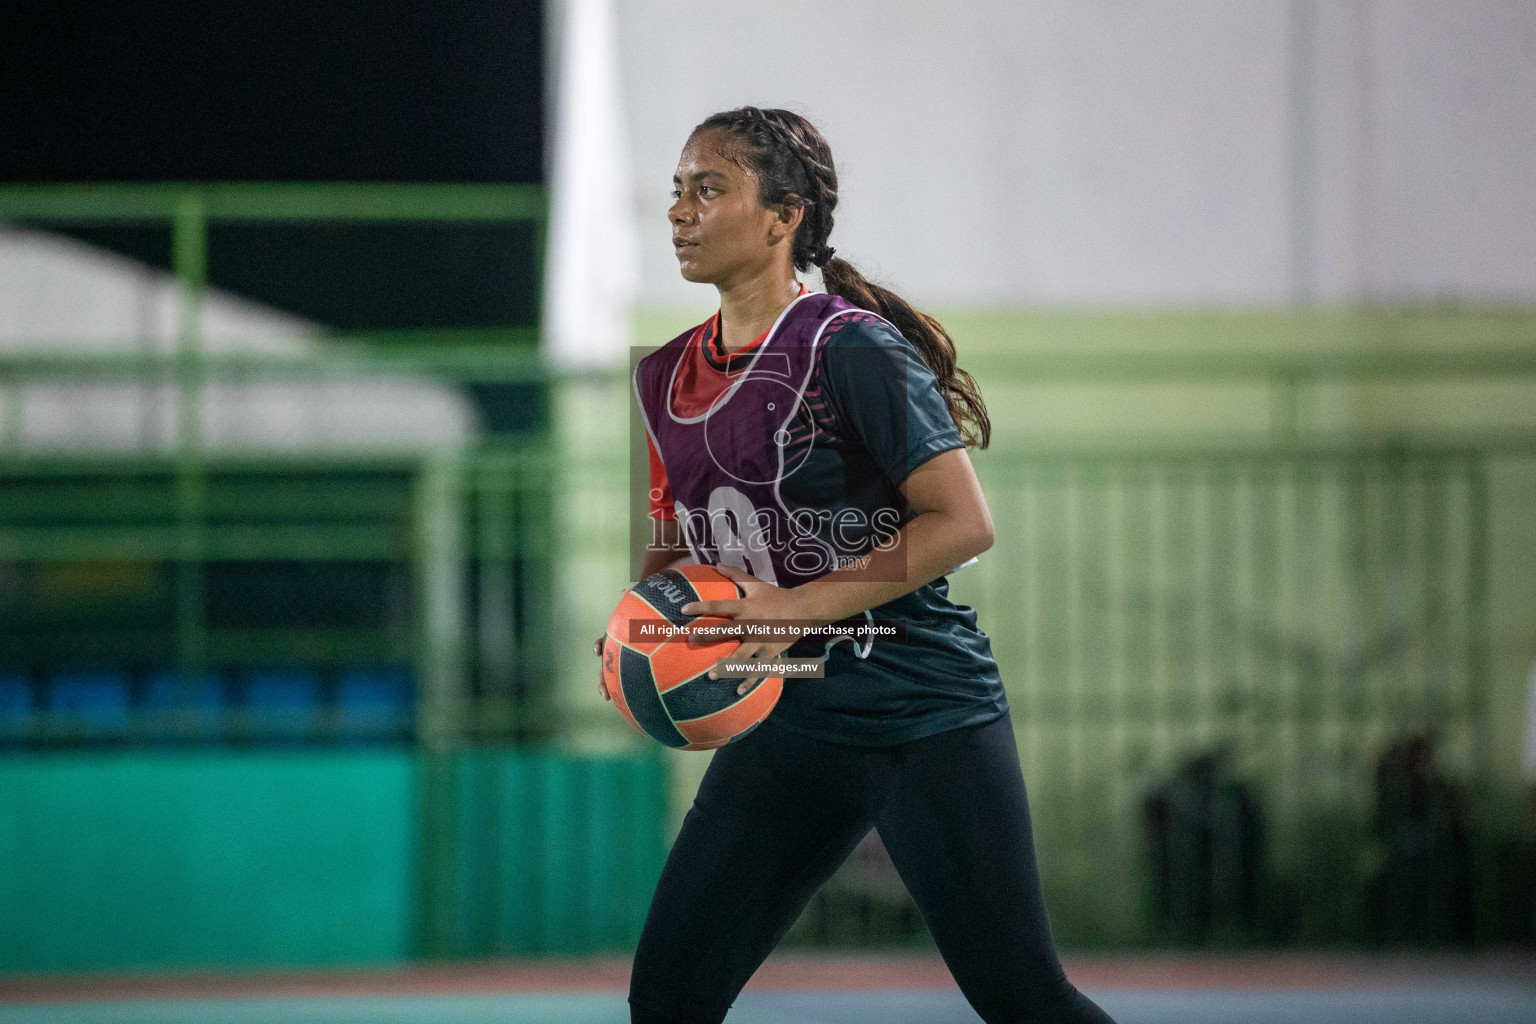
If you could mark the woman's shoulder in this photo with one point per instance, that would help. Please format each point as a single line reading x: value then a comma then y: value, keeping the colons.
x: 663, y: 353
x: 861, y: 347
x: 859, y: 328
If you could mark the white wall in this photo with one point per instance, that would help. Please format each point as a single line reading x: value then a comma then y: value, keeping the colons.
x: 1001, y: 152
x: 58, y: 295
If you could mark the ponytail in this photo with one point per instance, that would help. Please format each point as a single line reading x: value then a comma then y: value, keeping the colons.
x: 928, y: 336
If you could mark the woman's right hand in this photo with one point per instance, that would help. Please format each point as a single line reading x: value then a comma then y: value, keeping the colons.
x: 602, y: 683
x: 597, y: 648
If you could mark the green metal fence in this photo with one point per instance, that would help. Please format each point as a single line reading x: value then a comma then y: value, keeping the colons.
x: 488, y: 836
x: 188, y: 508
x: 1297, y: 608
x: 458, y: 548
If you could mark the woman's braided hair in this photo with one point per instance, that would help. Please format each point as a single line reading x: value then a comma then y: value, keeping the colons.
x: 793, y: 164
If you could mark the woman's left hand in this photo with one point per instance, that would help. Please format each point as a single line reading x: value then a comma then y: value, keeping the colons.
x: 762, y: 602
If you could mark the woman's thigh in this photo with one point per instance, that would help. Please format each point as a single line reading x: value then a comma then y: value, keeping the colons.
x: 955, y: 818
x: 775, y: 815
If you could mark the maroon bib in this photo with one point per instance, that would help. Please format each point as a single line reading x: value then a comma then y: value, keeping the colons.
x: 726, y: 463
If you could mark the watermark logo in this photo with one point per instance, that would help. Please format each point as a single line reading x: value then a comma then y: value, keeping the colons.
x: 792, y: 493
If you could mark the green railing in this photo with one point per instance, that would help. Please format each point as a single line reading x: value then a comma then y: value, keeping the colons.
x: 1296, y: 609
x: 467, y: 533
x: 164, y: 506
x: 465, y: 540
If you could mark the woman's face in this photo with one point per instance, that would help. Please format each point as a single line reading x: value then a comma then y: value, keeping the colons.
x: 721, y: 232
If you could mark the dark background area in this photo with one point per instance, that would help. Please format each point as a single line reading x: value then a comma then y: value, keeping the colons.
x: 387, y: 91
x: 263, y: 90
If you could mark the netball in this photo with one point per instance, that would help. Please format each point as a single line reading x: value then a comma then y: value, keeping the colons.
x: 658, y: 674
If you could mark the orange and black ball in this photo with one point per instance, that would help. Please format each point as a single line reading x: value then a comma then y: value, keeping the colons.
x: 658, y: 674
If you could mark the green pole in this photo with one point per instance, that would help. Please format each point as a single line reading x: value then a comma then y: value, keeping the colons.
x: 441, y: 670
x: 11, y: 426
x: 1478, y: 641
x: 442, y: 623
x: 189, y: 239
x: 497, y: 606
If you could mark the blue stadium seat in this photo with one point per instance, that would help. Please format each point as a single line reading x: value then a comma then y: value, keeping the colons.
x: 15, y: 705
x: 283, y: 701
x: 371, y: 701
x: 204, y: 695
x: 88, y: 704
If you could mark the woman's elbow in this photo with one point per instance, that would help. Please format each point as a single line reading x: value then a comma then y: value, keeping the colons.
x: 985, y: 535
x: 984, y: 540
x: 979, y: 537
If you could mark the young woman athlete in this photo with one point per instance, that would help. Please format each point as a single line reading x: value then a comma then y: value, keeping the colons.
x: 846, y: 403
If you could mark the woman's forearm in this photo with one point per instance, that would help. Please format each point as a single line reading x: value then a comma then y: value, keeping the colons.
x: 667, y: 546
x: 926, y: 548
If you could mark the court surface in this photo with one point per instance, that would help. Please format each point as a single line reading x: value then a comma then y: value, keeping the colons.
x: 807, y: 990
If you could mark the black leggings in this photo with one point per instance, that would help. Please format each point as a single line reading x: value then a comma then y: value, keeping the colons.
x: 775, y: 815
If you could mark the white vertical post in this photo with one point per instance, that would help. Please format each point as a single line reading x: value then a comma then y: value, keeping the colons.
x: 592, y: 268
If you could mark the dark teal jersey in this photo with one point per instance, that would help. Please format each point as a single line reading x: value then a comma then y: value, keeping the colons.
x: 785, y: 458
x: 874, y: 413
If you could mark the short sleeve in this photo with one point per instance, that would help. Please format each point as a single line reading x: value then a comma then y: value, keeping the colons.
x: 662, y: 505
x: 883, y: 394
